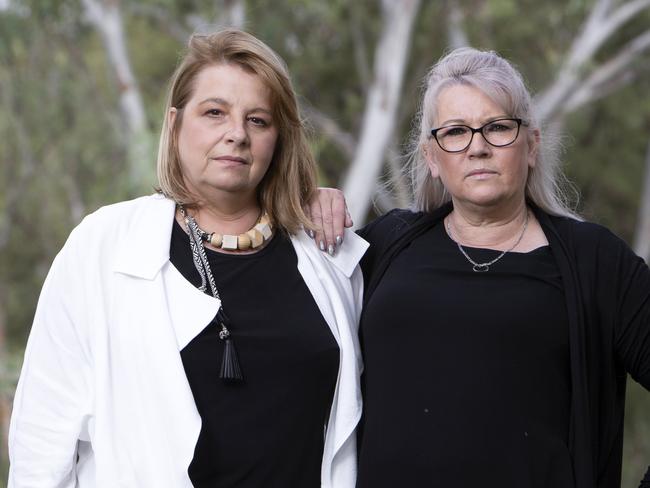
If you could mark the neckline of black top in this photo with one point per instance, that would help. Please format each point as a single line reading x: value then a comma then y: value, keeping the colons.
x: 449, y: 240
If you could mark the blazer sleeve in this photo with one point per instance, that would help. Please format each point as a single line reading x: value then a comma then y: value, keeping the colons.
x: 53, y: 398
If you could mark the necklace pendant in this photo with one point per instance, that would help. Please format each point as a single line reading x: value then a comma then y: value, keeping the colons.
x: 224, y: 333
x: 480, y: 268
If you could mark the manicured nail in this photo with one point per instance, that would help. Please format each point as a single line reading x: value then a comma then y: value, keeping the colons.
x: 339, y: 240
x: 321, y: 245
x: 330, y: 250
x: 310, y: 233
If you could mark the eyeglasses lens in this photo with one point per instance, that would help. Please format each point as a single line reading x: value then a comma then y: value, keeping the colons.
x: 498, y: 133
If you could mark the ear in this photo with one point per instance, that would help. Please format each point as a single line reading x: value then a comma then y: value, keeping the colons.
x: 171, y: 117
x: 533, y: 146
x: 431, y: 160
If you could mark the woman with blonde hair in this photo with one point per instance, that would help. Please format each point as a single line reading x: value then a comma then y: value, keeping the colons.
x: 498, y: 328
x: 195, y: 337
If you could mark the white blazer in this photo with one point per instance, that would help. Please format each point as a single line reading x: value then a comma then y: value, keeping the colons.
x: 103, y: 400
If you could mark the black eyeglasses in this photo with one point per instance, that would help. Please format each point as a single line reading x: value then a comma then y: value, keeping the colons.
x: 497, y: 133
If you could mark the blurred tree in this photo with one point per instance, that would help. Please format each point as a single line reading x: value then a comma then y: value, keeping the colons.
x: 106, y: 17
x: 382, y: 102
x: 642, y: 234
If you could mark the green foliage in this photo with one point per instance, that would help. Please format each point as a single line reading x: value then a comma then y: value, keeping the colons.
x: 62, y: 153
x: 606, y: 156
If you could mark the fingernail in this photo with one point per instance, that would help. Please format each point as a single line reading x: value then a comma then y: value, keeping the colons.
x: 339, y: 240
x: 321, y: 245
x: 310, y: 233
x: 330, y: 250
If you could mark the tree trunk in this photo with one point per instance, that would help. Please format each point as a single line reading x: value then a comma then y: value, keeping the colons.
x: 642, y: 237
x: 106, y: 17
x: 5, y: 391
x: 381, y: 105
x: 456, y: 35
x: 234, y: 14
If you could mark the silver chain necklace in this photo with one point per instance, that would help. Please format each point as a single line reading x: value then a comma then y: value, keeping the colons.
x: 483, y: 267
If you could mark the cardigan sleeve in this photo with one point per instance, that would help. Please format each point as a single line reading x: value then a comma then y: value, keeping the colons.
x: 632, y: 337
x: 632, y: 334
x: 52, y: 400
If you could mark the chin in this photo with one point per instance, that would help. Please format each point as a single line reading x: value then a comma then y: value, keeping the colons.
x: 487, y: 200
x: 232, y: 185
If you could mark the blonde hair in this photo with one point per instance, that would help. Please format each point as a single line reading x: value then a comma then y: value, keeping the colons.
x: 291, y: 178
x: 487, y: 71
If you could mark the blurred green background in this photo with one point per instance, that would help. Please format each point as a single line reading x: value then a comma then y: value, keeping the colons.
x: 82, y: 87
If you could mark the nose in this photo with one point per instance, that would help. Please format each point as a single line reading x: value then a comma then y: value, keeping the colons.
x: 479, y: 147
x: 237, y: 133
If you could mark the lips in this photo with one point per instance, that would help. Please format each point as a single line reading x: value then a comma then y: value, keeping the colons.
x: 480, y: 172
x: 234, y: 159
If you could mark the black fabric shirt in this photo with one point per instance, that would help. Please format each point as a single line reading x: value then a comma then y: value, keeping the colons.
x: 467, y: 374
x: 607, y: 295
x: 268, y: 431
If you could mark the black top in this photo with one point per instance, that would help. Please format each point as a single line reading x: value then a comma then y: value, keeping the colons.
x: 607, y: 295
x: 467, y: 374
x: 269, y: 430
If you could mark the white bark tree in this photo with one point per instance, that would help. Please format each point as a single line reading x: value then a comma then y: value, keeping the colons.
x: 456, y: 35
x: 398, y: 192
x: 378, y: 122
x: 575, y: 84
x: 226, y: 13
x: 642, y: 237
x: 579, y: 82
x: 106, y: 17
x: 234, y: 13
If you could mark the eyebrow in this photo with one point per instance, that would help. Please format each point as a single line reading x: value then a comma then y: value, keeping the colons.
x: 463, y: 122
x: 221, y: 101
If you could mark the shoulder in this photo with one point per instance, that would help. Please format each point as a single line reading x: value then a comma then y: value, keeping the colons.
x: 596, y: 251
x: 105, y: 231
x: 344, y: 261
x: 112, y: 221
x: 390, y: 233
x: 389, y: 225
x: 123, y: 213
x: 585, y: 235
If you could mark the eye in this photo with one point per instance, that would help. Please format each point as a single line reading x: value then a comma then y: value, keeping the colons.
x: 454, y: 131
x: 258, y: 121
x: 501, y: 126
x: 214, y: 112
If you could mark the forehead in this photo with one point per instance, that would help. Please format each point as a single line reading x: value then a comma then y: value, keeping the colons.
x: 233, y: 84
x: 466, y: 103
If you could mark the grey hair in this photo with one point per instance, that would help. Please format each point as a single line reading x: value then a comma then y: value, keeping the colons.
x: 546, y: 186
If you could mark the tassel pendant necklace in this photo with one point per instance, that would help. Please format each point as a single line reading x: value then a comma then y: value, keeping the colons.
x: 230, y: 369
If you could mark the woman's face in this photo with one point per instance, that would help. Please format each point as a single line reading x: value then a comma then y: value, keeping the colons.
x: 482, y: 175
x: 227, y: 135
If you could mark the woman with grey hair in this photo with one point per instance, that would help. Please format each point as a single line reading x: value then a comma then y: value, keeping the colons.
x: 498, y: 327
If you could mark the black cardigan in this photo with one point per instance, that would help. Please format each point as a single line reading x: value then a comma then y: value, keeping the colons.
x: 607, y: 289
